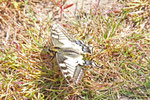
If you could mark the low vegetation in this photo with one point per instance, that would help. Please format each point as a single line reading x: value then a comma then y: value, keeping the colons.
x: 121, y: 45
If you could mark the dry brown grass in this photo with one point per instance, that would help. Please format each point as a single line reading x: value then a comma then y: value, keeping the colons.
x: 121, y: 41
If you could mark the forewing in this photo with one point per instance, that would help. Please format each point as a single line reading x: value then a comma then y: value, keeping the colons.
x: 60, y: 38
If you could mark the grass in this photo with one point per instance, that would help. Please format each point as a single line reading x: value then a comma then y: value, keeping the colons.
x: 121, y: 41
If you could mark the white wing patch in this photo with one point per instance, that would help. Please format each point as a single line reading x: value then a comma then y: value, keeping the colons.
x: 69, y: 57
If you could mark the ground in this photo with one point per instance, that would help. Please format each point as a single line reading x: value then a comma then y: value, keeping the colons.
x: 119, y: 33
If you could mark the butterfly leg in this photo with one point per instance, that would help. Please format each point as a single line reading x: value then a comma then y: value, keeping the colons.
x: 53, y: 52
x: 91, y: 63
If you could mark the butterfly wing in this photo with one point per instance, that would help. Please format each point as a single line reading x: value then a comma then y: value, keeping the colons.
x: 68, y: 57
x: 70, y: 68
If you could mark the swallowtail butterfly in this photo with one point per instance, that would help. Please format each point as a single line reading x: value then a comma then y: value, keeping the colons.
x: 69, y: 53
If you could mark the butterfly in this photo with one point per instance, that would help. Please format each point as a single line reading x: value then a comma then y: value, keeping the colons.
x: 69, y: 53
